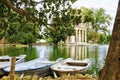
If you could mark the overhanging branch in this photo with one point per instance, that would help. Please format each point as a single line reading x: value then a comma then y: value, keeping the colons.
x: 10, y: 5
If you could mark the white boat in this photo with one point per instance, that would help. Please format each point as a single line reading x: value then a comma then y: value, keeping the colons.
x: 70, y: 66
x: 5, y: 61
x: 34, y: 67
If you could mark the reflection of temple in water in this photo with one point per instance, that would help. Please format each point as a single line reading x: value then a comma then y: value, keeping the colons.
x: 77, y: 52
x: 80, y: 37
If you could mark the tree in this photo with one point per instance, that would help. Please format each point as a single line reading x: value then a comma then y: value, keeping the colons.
x: 111, y: 69
x: 61, y: 20
x: 4, y: 27
x: 103, y: 38
x: 20, y: 27
x: 97, y: 21
x: 24, y: 34
x: 57, y: 16
x: 108, y: 38
x: 52, y: 14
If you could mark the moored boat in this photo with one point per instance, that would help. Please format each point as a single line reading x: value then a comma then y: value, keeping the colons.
x: 5, y: 61
x: 70, y: 66
x: 37, y: 66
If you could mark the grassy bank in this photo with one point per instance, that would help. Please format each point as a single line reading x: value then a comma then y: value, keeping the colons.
x: 64, y: 77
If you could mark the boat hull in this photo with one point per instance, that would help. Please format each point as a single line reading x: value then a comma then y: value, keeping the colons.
x: 60, y: 73
x: 5, y: 61
x: 42, y: 72
x: 71, y: 67
x: 33, y: 67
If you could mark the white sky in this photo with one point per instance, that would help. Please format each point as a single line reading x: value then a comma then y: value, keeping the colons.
x: 110, y: 6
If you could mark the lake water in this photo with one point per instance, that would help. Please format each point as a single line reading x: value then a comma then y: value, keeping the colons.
x: 96, y: 54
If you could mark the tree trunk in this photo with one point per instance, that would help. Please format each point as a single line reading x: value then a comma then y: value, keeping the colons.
x: 111, y: 70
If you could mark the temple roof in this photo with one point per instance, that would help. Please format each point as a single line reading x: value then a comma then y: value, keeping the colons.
x: 81, y: 26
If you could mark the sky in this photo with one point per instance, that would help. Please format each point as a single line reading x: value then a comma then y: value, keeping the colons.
x: 110, y: 6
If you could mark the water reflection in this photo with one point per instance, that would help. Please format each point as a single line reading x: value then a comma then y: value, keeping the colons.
x: 58, y: 52
x: 15, y: 51
x: 43, y: 51
x: 77, y: 52
x: 96, y: 54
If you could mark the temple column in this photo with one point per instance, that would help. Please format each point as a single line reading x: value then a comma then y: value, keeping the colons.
x: 82, y: 36
x: 80, y: 32
x: 85, y: 36
x: 76, y: 35
x: 79, y: 36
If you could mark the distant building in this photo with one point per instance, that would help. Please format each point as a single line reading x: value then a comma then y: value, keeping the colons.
x: 80, y: 37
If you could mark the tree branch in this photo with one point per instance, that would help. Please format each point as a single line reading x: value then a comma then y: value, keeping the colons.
x: 20, y: 11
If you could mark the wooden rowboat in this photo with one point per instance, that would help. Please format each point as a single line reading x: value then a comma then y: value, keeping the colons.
x: 37, y: 66
x: 70, y: 66
x: 5, y: 61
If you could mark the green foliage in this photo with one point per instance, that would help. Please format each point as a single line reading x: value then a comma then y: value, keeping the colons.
x: 87, y: 14
x: 23, y: 23
x: 98, y: 21
x: 24, y: 35
x: 4, y: 27
x: 54, y: 15
x: 108, y: 38
x: 16, y: 28
x: 103, y: 38
x: 60, y: 18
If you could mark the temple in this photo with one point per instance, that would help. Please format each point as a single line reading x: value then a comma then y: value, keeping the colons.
x: 80, y: 37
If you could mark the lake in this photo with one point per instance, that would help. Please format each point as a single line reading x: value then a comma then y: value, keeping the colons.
x: 96, y: 54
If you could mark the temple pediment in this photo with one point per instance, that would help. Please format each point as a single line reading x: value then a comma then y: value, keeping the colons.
x: 81, y: 26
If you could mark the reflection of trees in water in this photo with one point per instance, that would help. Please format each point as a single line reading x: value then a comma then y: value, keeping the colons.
x: 31, y: 53
x: 2, y: 50
x: 93, y: 56
x: 96, y: 55
x: 58, y: 52
x: 15, y: 51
